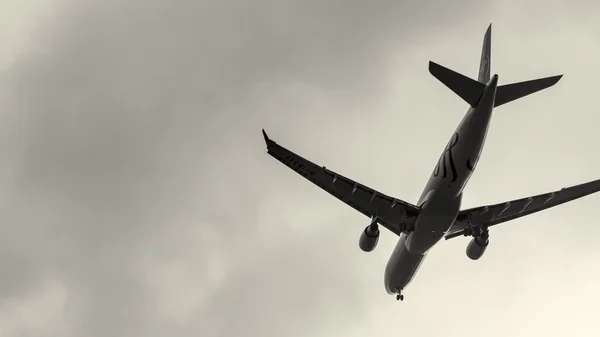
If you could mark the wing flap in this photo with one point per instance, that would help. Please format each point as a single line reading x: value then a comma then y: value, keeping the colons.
x: 492, y: 215
x: 394, y: 214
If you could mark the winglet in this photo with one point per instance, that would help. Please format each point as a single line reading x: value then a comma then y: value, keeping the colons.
x: 268, y: 141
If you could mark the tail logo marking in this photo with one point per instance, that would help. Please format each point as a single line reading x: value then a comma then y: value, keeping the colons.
x: 484, y: 68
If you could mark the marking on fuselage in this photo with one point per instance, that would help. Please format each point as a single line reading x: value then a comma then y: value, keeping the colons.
x: 469, y: 165
x: 447, y: 154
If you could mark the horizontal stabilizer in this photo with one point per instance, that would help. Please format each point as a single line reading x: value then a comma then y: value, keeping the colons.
x: 510, y: 92
x: 468, y: 89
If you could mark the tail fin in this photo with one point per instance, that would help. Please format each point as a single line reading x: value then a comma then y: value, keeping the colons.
x: 510, y: 92
x: 470, y: 90
x: 486, y: 57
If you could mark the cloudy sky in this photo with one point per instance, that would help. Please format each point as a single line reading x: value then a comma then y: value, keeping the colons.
x: 137, y: 199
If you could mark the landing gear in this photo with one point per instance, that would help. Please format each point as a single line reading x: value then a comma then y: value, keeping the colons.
x: 400, y: 297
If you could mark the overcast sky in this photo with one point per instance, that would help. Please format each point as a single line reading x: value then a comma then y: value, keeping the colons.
x: 137, y: 198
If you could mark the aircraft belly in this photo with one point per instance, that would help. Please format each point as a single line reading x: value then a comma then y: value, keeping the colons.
x: 428, y: 231
x: 436, y: 218
x: 402, y: 267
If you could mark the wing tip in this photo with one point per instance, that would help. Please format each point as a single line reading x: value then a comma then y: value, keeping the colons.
x: 552, y: 80
x: 558, y: 77
x: 432, y: 65
x: 268, y: 140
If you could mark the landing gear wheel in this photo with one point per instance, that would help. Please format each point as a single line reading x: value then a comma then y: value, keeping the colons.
x: 400, y: 297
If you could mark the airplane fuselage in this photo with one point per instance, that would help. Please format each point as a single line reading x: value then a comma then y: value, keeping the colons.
x: 441, y: 199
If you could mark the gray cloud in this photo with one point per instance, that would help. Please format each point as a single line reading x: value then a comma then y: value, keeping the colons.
x: 138, y: 200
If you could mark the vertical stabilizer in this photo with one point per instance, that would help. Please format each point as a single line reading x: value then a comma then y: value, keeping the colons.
x: 486, y: 57
x: 471, y: 90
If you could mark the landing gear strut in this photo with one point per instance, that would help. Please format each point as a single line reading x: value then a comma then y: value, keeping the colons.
x: 400, y: 297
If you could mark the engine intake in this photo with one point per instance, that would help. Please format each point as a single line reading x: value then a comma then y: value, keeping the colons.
x: 477, y: 246
x: 369, y: 238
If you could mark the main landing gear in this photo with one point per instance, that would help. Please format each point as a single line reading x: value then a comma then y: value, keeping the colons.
x: 400, y: 297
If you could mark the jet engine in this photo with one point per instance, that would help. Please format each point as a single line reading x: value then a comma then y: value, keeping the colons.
x: 477, y: 246
x: 369, y: 238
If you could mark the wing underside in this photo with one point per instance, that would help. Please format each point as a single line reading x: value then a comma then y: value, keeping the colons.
x: 472, y: 219
x: 394, y: 214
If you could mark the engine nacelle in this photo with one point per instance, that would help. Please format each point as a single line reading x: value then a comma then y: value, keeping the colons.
x: 369, y: 238
x: 477, y: 247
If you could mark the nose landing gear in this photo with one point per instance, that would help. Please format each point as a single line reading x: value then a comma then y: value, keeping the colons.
x: 400, y: 297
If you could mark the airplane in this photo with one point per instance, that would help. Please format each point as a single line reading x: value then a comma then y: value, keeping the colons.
x: 438, y: 214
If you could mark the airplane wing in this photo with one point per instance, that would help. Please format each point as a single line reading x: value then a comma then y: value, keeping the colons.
x: 472, y: 219
x: 394, y: 214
